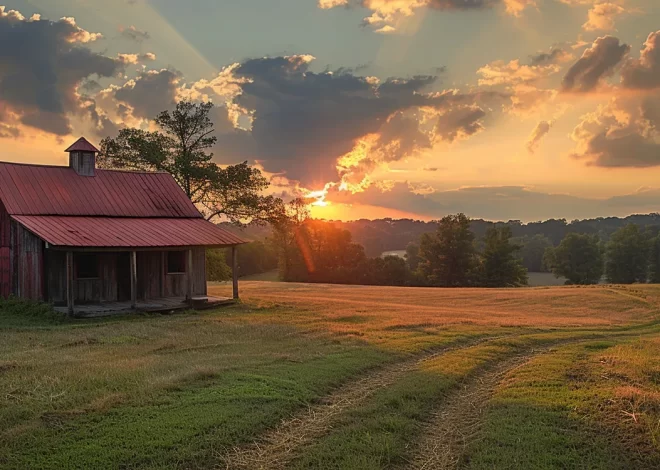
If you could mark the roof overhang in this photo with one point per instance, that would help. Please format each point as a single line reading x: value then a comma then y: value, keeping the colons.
x: 126, y: 232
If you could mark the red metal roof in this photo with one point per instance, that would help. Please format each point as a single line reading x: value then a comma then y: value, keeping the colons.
x: 58, y: 190
x: 82, y: 145
x: 104, y: 232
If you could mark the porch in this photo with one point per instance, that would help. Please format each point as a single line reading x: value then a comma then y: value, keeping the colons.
x: 158, y: 305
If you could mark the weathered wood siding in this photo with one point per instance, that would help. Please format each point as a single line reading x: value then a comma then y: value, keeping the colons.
x: 153, y: 281
x: 28, y: 262
x: 55, y: 265
x: 5, y: 250
x: 199, y: 271
x: 149, y: 274
x: 176, y: 285
x: 103, y: 289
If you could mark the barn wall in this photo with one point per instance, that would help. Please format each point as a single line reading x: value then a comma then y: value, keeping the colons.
x: 5, y: 250
x: 28, y: 261
x: 149, y: 274
x: 152, y: 279
x: 55, y: 262
x: 176, y: 285
x: 103, y: 289
x: 199, y: 271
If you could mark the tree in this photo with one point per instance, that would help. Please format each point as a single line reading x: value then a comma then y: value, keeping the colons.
x: 382, y: 271
x: 578, y: 258
x: 217, y: 268
x: 627, y: 256
x: 254, y: 258
x: 412, y: 256
x: 180, y: 147
x: 289, y: 236
x: 654, y: 261
x: 532, y: 252
x: 448, y: 255
x: 501, y: 267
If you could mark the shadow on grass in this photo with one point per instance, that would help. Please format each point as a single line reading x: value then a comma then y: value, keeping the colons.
x: 524, y: 436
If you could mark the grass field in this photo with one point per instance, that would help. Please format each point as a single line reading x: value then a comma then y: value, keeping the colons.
x: 342, y: 377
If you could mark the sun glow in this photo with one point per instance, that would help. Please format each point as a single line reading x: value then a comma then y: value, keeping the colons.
x: 319, y: 196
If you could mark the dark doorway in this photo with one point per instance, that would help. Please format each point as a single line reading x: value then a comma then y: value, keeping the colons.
x: 124, y: 277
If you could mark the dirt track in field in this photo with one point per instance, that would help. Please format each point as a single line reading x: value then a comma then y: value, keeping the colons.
x: 281, y: 445
x: 455, y: 424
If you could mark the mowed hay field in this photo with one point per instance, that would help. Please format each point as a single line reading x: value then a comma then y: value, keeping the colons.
x: 342, y: 377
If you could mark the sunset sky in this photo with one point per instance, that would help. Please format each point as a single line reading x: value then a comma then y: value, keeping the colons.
x: 502, y: 109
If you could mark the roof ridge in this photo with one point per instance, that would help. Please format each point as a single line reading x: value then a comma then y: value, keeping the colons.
x: 123, y: 170
x: 40, y: 165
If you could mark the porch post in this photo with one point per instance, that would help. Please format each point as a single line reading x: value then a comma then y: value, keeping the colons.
x: 133, y: 280
x: 69, y: 282
x: 189, y: 274
x: 234, y: 270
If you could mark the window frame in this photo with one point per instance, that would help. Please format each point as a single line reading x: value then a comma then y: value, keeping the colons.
x: 181, y: 262
x: 96, y: 262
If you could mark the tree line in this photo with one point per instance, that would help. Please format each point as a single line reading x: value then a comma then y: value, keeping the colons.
x: 318, y: 251
x: 631, y: 255
x: 307, y: 250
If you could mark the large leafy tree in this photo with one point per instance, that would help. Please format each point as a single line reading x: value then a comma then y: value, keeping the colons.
x: 412, y: 256
x: 578, y: 258
x: 181, y: 146
x: 627, y: 256
x: 532, y: 252
x: 501, y: 267
x: 447, y: 257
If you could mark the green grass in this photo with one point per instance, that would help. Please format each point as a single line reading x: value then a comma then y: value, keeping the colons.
x: 382, y: 432
x: 179, y: 391
x: 571, y: 409
x: 147, y: 391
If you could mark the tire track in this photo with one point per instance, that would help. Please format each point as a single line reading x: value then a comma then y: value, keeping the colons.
x: 458, y: 420
x: 279, y: 446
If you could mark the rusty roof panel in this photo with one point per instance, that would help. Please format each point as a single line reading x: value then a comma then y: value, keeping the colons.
x: 58, y: 190
x: 106, y: 232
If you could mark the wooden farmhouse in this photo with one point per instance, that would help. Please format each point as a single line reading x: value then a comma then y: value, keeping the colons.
x: 95, y: 241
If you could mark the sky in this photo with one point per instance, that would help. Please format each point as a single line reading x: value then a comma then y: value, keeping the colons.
x: 501, y: 109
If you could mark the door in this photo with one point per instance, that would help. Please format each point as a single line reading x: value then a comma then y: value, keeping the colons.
x: 124, y: 277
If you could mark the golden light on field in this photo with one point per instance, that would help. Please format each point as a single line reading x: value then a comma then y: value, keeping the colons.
x: 365, y: 309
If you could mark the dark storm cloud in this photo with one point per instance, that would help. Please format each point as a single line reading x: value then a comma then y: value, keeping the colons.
x: 41, y: 65
x: 540, y: 131
x: 644, y: 73
x: 556, y: 54
x: 460, y: 122
x: 596, y: 63
x: 304, y: 121
x: 631, y: 150
x: 150, y: 93
x: 624, y: 134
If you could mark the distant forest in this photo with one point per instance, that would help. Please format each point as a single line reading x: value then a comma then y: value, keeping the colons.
x: 351, y: 252
x: 378, y: 236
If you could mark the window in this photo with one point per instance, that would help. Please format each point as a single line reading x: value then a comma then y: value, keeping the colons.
x: 176, y: 262
x: 87, y: 266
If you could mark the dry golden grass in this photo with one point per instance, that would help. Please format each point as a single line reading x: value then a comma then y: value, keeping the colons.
x: 395, y: 307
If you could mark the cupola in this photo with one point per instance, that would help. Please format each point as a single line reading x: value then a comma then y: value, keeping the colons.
x: 82, y: 157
